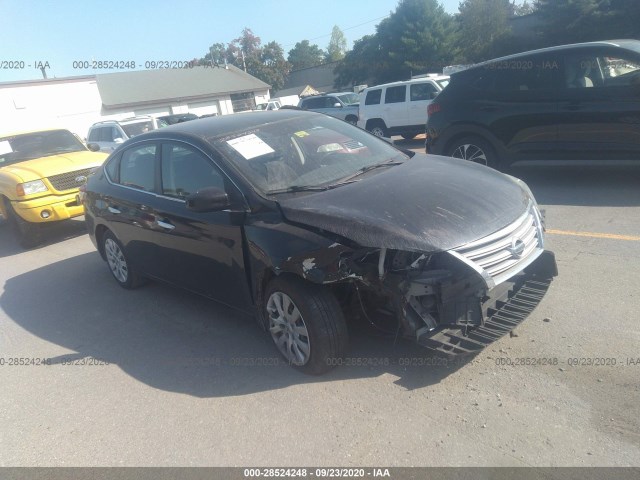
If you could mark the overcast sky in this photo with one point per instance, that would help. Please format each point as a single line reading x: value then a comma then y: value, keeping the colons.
x: 63, y: 32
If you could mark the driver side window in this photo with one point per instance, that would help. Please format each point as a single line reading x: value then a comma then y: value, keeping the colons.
x: 185, y: 170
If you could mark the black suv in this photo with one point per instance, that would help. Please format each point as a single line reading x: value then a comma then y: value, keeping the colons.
x: 561, y: 105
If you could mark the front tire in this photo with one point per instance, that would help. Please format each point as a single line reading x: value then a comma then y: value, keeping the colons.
x: 119, y: 265
x: 27, y: 234
x: 306, y: 324
x: 475, y: 149
x: 378, y: 129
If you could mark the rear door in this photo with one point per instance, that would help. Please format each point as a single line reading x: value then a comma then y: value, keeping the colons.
x: 517, y: 100
x: 600, y: 105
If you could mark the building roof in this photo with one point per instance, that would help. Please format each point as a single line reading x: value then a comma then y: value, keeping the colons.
x: 301, y: 91
x: 153, y: 86
x: 321, y: 77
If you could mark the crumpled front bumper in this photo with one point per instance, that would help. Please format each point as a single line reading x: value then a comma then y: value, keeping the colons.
x: 502, y: 310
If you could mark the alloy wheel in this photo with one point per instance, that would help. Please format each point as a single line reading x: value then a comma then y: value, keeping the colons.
x: 470, y: 152
x: 288, y: 329
x: 115, y: 259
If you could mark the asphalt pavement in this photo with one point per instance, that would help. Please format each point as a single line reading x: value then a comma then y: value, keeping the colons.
x: 93, y: 375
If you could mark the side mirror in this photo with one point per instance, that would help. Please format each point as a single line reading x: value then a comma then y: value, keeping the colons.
x: 208, y: 199
x: 118, y: 140
x: 337, y: 105
x: 94, y: 147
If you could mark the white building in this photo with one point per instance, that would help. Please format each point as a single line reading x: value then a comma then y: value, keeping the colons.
x: 76, y: 103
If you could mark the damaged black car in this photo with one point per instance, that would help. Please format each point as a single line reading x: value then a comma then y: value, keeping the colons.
x: 305, y: 221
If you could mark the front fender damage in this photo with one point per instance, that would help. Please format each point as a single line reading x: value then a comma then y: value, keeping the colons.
x: 434, y: 298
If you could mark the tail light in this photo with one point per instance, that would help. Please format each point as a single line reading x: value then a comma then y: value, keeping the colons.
x: 433, y: 108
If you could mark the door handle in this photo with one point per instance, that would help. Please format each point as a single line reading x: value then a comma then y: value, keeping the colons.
x: 113, y: 210
x: 166, y: 225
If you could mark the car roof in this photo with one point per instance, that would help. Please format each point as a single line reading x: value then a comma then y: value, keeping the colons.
x: 27, y: 132
x: 627, y: 44
x: 405, y: 82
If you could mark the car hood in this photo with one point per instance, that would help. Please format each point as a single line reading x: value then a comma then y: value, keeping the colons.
x: 429, y: 203
x: 54, y: 165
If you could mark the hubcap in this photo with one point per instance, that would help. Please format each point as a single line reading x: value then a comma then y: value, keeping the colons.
x: 377, y: 131
x: 470, y: 152
x: 288, y: 329
x: 116, y: 260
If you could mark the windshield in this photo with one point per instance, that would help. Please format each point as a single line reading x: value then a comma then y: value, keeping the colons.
x: 311, y: 151
x: 349, y: 98
x: 28, y: 146
x: 443, y: 83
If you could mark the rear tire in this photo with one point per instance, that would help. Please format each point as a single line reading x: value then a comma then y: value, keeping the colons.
x: 119, y: 264
x: 27, y: 234
x: 475, y: 149
x: 306, y: 324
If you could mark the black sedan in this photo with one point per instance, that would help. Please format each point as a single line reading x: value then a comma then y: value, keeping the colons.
x: 306, y: 221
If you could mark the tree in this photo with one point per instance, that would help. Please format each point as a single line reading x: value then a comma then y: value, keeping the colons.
x: 416, y: 38
x: 360, y: 64
x: 568, y: 21
x: 304, y: 55
x: 483, y: 26
x: 246, y: 52
x: 337, y: 45
x: 273, y: 67
x: 524, y: 8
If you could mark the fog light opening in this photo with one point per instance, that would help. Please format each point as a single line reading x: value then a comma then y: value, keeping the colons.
x: 45, y: 214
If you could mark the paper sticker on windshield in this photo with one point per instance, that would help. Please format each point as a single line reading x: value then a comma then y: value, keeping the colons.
x: 301, y: 134
x: 250, y: 146
x: 5, y: 147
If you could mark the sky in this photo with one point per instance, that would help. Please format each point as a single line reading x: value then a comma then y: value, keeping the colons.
x: 65, y: 35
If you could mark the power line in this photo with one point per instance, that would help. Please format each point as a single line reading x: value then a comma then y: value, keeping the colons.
x: 344, y: 30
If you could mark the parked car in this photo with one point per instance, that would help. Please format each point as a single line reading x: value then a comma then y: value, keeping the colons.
x: 40, y: 173
x: 399, y: 108
x: 178, y: 118
x: 568, y: 105
x: 270, y: 105
x: 342, y: 105
x: 300, y: 219
x: 109, y: 134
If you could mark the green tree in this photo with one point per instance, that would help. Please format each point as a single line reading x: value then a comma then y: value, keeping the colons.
x: 337, y: 45
x: 483, y: 27
x: 416, y: 38
x: 361, y: 64
x: 568, y: 21
x: 304, y: 55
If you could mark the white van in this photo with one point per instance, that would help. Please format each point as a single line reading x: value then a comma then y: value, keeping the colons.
x: 399, y: 108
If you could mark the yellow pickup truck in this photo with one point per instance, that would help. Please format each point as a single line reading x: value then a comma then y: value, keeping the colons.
x: 40, y: 173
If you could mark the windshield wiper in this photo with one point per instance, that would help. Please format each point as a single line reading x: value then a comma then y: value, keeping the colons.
x: 309, y: 188
x: 368, y: 168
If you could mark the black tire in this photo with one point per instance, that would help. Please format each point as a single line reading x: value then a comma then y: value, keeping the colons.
x: 475, y: 149
x: 352, y: 120
x: 320, y: 316
x: 27, y: 234
x: 409, y: 136
x: 118, y: 263
x: 377, y: 128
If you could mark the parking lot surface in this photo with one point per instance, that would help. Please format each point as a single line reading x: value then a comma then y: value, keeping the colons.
x: 93, y: 375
